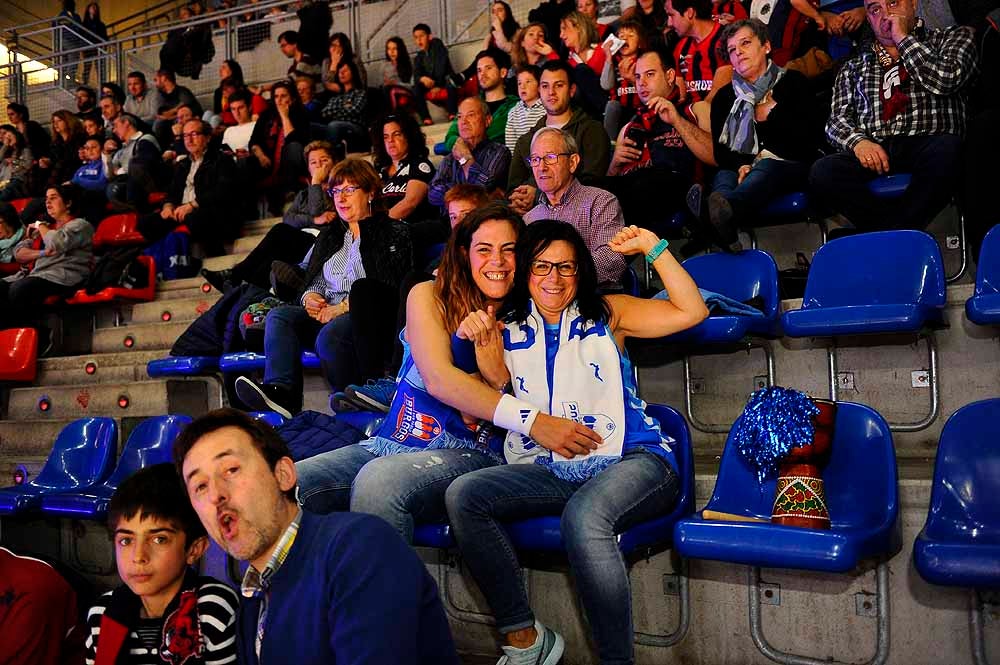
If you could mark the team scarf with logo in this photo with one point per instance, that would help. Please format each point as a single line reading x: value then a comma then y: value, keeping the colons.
x: 586, y: 387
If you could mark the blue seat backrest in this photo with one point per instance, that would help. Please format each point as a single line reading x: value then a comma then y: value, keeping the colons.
x: 883, y: 268
x: 967, y: 475
x: 270, y: 417
x: 630, y: 282
x: 742, y: 276
x: 673, y: 424
x: 151, y: 442
x: 860, y: 478
x: 82, y: 454
x: 988, y: 267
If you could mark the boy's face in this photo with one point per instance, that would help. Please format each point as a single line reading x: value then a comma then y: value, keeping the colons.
x: 152, y: 554
x: 527, y: 87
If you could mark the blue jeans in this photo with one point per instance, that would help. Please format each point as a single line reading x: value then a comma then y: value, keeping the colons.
x: 287, y: 331
x: 401, y: 489
x: 767, y: 180
x: 638, y: 488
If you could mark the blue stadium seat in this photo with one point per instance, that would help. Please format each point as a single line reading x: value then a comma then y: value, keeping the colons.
x: 795, y: 204
x: 894, y: 186
x: 150, y: 443
x: 960, y: 542
x: 984, y: 306
x: 860, y: 481
x: 874, y: 283
x: 889, y: 186
x: 630, y: 282
x: 959, y: 545
x: 182, y: 366
x: 543, y: 533
x: 82, y: 455
x: 750, y: 274
x: 270, y: 417
x: 248, y: 361
x: 441, y: 149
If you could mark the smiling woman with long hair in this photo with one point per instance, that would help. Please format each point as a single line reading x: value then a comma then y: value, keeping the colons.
x: 562, y: 351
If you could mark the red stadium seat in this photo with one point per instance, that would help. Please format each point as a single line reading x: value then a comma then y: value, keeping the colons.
x: 118, y: 231
x: 20, y: 204
x: 118, y: 293
x: 18, y: 354
x: 157, y: 198
x: 9, y: 268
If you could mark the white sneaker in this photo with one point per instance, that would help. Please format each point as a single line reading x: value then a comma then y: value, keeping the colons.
x: 547, y: 649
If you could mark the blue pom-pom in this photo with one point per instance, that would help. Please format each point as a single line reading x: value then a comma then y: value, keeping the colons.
x: 774, y: 421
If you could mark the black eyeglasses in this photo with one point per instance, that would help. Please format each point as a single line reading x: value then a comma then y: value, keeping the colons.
x: 565, y: 269
x: 550, y: 158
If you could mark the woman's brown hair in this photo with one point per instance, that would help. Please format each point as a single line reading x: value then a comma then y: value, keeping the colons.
x: 73, y: 124
x: 360, y: 173
x: 454, y: 288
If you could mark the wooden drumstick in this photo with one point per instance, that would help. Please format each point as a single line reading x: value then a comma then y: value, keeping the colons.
x: 731, y: 517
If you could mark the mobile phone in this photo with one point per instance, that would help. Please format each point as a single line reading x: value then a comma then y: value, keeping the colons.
x: 615, y: 43
x: 637, y: 134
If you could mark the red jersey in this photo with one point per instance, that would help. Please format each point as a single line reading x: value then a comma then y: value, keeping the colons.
x: 733, y: 8
x: 697, y: 62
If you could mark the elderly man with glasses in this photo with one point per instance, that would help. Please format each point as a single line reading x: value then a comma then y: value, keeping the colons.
x: 202, y: 195
x: 596, y: 214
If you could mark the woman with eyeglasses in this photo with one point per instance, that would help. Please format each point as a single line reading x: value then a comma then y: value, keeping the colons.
x: 364, y: 255
x: 438, y: 426
x: 561, y: 351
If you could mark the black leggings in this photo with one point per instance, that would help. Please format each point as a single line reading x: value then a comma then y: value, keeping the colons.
x: 282, y: 243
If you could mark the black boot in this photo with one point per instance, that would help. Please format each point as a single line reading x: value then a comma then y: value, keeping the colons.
x: 219, y: 279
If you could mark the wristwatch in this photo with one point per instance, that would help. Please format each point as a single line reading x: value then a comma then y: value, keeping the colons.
x: 463, y: 161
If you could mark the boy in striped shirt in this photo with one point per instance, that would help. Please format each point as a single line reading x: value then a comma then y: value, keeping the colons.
x: 164, y: 612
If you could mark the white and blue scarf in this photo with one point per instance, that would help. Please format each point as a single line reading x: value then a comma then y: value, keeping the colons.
x: 586, y: 387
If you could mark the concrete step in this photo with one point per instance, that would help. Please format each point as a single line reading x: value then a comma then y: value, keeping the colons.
x: 178, y: 309
x: 260, y: 226
x: 246, y: 243
x: 144, y: 336
x: 184, y: 288
x: 29, y: 438
x: 225, y: 261
x: 145, y: 398
x: 107, y: 367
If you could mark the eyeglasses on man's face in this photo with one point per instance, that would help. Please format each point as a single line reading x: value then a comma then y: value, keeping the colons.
x: 548, y: 158
x: 565, y: 269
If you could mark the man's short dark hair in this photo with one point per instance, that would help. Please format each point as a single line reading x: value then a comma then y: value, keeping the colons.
x: 157, y: 492
x: 422, y: 26
x: 112, y: 98
x: 500, y: 59
x: 241, y: 96
x: 534, y: 70
x: 290, y: 37
x: 663, y: 53
x: 702, y: 8
x: 271, y: 446
x: 167, y: 74
x: 87, y: 89
x: 558, y: 66
x: 136, y: 75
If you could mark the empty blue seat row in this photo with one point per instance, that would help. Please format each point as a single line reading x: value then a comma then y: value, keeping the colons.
x: 77, y: 480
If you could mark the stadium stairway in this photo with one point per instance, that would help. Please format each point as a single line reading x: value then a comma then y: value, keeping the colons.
x: 111, y: 379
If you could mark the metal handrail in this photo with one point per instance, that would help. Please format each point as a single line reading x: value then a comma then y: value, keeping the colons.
x: 172, y: 5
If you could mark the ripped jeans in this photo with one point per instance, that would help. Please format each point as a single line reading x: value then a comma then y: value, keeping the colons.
x: 401, y: 489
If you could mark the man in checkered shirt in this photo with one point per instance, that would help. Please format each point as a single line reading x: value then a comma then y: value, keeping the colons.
x: 899, y: 106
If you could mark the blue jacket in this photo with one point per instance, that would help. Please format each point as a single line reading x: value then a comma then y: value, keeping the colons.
x: 92, y: 176
x: 351, y: 592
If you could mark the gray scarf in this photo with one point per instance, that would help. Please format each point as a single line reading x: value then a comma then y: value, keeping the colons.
x: 739, y: 132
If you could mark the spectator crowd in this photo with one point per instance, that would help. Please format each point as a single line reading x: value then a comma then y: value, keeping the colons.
x: 467, y: 300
